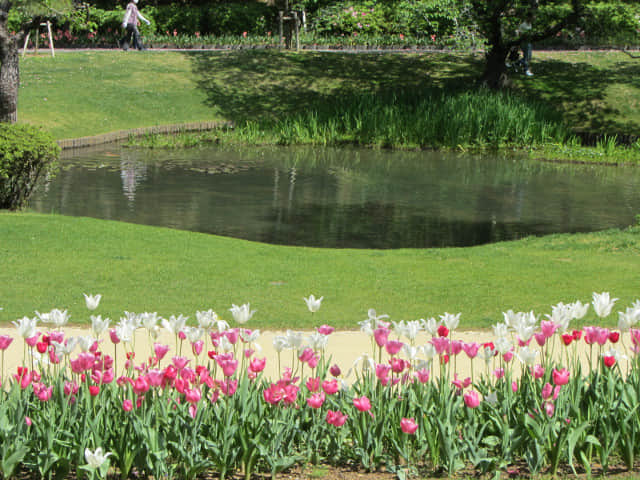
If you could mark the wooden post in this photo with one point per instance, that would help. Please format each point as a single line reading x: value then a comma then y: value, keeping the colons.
x: 53, y: 54
x: 280, y: 28
x: 26, y: 42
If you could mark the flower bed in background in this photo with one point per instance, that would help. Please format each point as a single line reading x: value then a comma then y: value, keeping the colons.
x: 541, y: 397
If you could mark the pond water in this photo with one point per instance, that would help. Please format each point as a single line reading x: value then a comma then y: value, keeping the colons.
x: 342, y: 197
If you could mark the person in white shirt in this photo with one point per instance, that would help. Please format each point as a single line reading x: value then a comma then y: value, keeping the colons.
x: 130, y: 23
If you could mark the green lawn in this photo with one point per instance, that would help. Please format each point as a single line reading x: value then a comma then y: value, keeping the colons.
x: 49, y: 261
x: 85, y: 93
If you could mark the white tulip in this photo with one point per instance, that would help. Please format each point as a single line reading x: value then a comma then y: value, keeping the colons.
x: 206, y: 319
x: 98, y: 325
x: 92, y: 301
x: 95, y: 459
x: 26, y: 326
x: 603, y: 304
x: 450, y: 320
x: 242, y: 313
x: 527, y: 356
x: 430, y: 326
x: 313, y: 303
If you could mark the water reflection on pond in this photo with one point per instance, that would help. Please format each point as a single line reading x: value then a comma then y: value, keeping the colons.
x: 342, y: 197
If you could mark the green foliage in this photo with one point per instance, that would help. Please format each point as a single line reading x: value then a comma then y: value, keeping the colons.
x: 27, y: 154
x: 614, y: 20
x: 216, y: 18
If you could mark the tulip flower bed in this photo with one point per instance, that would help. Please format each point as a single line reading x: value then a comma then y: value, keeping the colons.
x: 204, y: 406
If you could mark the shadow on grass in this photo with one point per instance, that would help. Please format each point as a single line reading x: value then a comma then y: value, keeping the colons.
x: 581, y: 89
x: 268, y: 85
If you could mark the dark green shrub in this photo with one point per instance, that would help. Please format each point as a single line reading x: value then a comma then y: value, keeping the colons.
x: 27, y: 155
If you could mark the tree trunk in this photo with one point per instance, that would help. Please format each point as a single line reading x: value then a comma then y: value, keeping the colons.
x: 9, y: 69
x: 495, y: 71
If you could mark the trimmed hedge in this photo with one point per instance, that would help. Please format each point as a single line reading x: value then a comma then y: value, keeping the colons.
x: 27, y: 155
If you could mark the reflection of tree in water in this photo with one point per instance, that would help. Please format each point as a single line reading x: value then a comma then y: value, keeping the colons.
x: 132, y: 173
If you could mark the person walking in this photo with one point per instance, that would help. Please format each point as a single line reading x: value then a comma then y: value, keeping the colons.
x: 130, y: 23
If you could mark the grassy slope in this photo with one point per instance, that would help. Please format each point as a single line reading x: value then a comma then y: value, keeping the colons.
x: 49, y: 261
x: 84, y: 93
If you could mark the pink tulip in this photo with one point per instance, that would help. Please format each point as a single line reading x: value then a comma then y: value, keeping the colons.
x: 408, y: 425
x: 363, y: 404
x: 140, y: 385
x: 228, y: 367
x: 398, y: 365
x: 5, y: 341
x: 456, y: 347
x: 560, y: 377
x: 537, y: 371
x: 232, y: 335
x: 257, y: 365
x: 393, y: 347
x: 441, y: 344
x: 313, y: 361
x: 325, y: 330
x: 330, y: 386
x: 155, y: 377
x: 335, y: 370
x: 471, y: 399
x: 229, y: 387
x: 548, y: 328
x: 180, y: 362
x: 28, y: 421
x: 290, y: 394
x: 508, y: 356
x: 196, y: 347
x: 382, y: 372
x: 306, y: 355
x: 44, y: 394
x: 540, y: 337
x: 422, y: 375
x: 549, y: 408
x: 273, y: 394
x: 316, y: 400
x: 499, y: 373
x: 70, y: 388
x: 471, y: 349
x: 192, y: 395
x: 514, y: 386
x: 313, y: 384
x: 336, y: 418
x: 56, y: 336
x: 381, y: 336
x: 113, y: 335
x: 547, y: 391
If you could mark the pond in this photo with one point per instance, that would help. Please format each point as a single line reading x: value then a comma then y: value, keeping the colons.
x: 342, y: 198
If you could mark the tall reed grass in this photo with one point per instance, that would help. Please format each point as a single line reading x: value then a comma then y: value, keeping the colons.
x: 410, y: 119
